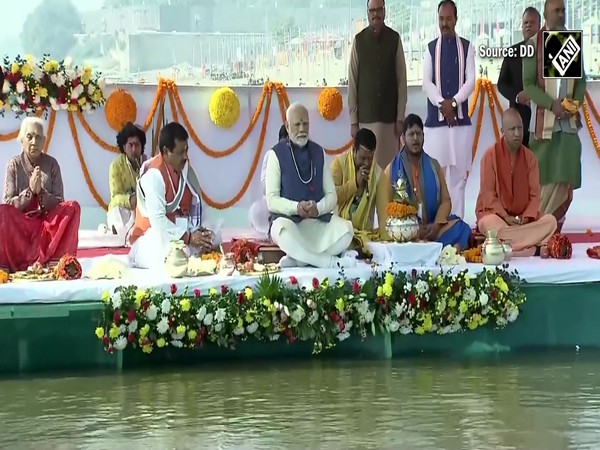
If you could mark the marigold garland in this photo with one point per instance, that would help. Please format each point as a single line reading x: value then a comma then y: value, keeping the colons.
x: 120, y: 108
x: 330, y: 103
x: 68, y: 268
x: 473, y: 255
x: 400, y: 210
x: 4, y: 278
x: 224, y: 107
x: 560, y: 247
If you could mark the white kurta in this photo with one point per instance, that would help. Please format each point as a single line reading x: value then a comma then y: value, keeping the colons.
x: 312, y: 241
x: 451, y: 146
x: 150, y: 250
x: 121, y: 219
x: 259, y: 211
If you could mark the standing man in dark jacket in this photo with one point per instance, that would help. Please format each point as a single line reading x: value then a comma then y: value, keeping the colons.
x: 377, y: 83
x: 510, y: 80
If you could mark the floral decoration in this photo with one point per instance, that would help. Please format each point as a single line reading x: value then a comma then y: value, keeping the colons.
x: 120, y: 109
x: 473, y: 255
x: 30, y: 86
x: 4, y: 278
x: 559, y: 247
x: 224, y: 107
x: 400, y: 210
x: 68, y: 268
x: 322, y: 312
x: 330, y: 103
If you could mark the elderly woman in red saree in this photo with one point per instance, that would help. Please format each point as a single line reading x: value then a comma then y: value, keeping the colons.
x: 38, y: 225
x: 509, y: 196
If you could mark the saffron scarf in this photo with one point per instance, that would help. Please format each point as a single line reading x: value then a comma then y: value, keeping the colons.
x: 513, y: 185
x: 438, y: 70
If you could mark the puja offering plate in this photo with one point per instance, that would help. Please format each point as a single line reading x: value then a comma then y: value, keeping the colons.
x: 252, y: 268
x: 35, y: 272
x: 199, y: 267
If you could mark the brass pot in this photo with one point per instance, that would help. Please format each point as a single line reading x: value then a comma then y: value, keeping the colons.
x: 176, y: 261
x: 492, y: 250
x: 402, y: 230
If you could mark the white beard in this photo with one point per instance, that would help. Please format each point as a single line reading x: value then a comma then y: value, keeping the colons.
x: 300, y: 141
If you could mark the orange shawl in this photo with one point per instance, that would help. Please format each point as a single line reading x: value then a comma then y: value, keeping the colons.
x: 513, y: 185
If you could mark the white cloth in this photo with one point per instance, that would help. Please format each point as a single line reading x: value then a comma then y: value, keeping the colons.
x: 312, y: 242
x: 409, y: 254
x: 121, y: 219
x: 150, y: 250
x: 259, y: 211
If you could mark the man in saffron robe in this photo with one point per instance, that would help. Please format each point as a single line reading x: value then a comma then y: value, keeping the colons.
x: 448, y: 80
x: 169, y: 204
x: 259, y: 212
x: 554, y: 140
x: 509, y: 196
x: 302, y: 200
x: 37, y: 224
x: 122, y: 176
x: 427, y: 189
x: 362, y: 188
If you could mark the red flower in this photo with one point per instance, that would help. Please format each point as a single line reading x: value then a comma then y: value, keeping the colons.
x: 105, y: 340
x: 224, y: 289
x: 116, y: 317
x: 293, y: 280
x: 334, y: 317
x: 493, y: 294
x: 130, y: 337
x: 197, y: 293
x: 173, y: 289
x: 315, y: 283
x: 356, y: 287
x: 380, y: 300
x: 145, y: 305
x: 241, y: 298
x: 171, y: 322
x: 412, y: 299
x: 455, y: 288
x: 131, y: 315
x: 422, y: 304
x: 341, y: 326
x: 110, y: 349
x: 414, y: 273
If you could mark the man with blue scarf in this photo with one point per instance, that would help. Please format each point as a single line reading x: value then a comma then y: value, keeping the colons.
x: 427, y: 189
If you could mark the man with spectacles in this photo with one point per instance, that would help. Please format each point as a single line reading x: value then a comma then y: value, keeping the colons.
x: 377, y: 89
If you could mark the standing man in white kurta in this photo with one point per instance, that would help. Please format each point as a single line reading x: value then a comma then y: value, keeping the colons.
x: 169, y: 204
x: 448, y: 81
x: 302, y: 200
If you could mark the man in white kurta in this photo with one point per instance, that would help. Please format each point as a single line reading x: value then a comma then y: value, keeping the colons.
x: 169, y: 205
x: 448, y: 81
x: 302, y: 200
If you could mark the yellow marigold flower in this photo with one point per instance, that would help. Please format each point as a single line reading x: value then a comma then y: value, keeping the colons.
x: 419, y: 330
x: 501, y: 284
x: 467, y: 281
x: 14, y: 67
x: 474, y: 321
x: 266, y: 323
x: 389, y: 279
x: 250, y: 316
x: 340, y: 283
x: 212, y: 292
x: 339, y: 304
x: 82, y: 101
x: 192, y: 334
x: 114, y: 332
x: 379, y: 291
x: 99, y: 332
x: 248, y: 293
x: 160, y: 342
x: 147, y: 348
x: 106, y: 297
x: 387, y: 290
x: 26, y: 69
x: 427, y: 323
x: 180, y: 329
x: 463, y: 307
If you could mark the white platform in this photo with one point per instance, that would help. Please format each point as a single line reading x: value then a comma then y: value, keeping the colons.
x: 580, y: 269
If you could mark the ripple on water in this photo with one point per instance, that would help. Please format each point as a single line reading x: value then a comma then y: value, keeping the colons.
x: 531, y: 404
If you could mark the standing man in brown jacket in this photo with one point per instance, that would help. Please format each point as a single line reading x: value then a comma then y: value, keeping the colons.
x: 377, y: 83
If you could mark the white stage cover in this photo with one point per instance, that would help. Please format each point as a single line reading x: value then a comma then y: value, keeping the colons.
x: 580, y: 269
x: 223, y: 178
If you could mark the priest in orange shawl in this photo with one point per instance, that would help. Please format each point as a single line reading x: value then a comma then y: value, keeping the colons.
x: 36, y: 223
x: 509, y: 195
x: 169, y: 205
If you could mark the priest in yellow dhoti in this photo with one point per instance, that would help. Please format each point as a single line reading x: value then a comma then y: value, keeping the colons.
x: 362, y: 189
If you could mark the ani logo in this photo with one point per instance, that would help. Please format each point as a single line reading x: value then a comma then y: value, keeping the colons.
x: 563, y: 58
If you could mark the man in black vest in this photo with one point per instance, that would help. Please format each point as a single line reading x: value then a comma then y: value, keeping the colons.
x: 377, y: 83
x: 510, y: 80
x: 302, y: 200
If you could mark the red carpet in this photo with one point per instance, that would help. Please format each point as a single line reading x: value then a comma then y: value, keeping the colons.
x: 583, y: 238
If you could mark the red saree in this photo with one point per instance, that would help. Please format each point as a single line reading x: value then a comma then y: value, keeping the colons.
x: 41, y: 238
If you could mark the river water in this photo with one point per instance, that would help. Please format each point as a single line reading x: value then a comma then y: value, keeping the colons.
x: 549, y: 402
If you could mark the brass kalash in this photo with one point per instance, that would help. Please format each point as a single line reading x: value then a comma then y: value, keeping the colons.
x: 402, y: 224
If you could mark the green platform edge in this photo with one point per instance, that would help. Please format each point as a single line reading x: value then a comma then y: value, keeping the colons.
x: 39, y: 338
